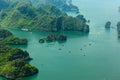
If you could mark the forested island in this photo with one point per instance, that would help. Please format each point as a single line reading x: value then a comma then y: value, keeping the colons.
x: 118, y: 29
x: 13, y: 61
x: 8, y: 38
x: 63, y: 5
x: 46, y: 18
x: 108, y: 26
x: 53, y: 37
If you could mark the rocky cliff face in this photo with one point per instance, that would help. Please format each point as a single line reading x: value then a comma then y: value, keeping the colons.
x: 8, y: 38
x: 108, y: 24
x: 46, y: 18
x: 118, y: 26
x: 53, y: 37
x: 3, y: 4
x: 13, y: 63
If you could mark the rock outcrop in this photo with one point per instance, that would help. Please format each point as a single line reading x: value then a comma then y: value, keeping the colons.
x: 41, y: 40
x: 53, y: 37
x: 118, y: 34
x: 8, y: 38
x: 23, y: 15
x: 61, y: 37
x: 108, y: 24
x: 118, y: 26
x: 86, y: 29
x: 14, y: 63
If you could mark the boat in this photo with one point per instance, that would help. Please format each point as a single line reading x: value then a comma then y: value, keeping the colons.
x: 25, y: 29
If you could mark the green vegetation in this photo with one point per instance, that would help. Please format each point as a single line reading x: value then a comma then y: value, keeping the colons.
x: 12, y: 40
x: 64, y: 5
x: 53, y: 37
x: 3, y: 4
x: 4, y: 34
x: 13, y: 63
x: 46, y: 17
x: 8, y: 38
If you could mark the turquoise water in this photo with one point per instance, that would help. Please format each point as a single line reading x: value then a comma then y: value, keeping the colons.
x: 83, y: 57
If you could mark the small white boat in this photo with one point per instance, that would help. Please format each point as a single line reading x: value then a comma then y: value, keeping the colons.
x: 25, y: 29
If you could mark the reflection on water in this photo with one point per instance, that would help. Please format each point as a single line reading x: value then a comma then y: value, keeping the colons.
x: 107, y: 30
x: 31, y: 77
x: 19, y: 46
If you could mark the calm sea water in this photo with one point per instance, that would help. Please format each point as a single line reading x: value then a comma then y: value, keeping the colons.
x: 83, y: 57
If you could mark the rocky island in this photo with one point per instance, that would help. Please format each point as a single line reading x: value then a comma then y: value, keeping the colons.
x: 118, y: 26
x: 118, y: 34
x: 13, y: 61
x: 64, y: 5
x: 118, y: 29
x: 8, y: 38
x: 108, y: 24
x: 46, y: 18
x: 53, y: 37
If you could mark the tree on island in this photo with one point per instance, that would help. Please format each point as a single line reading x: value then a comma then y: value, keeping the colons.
x: 13, y: 61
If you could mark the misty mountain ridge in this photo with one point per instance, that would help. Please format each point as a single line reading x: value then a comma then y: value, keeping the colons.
x: 64, y: 5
